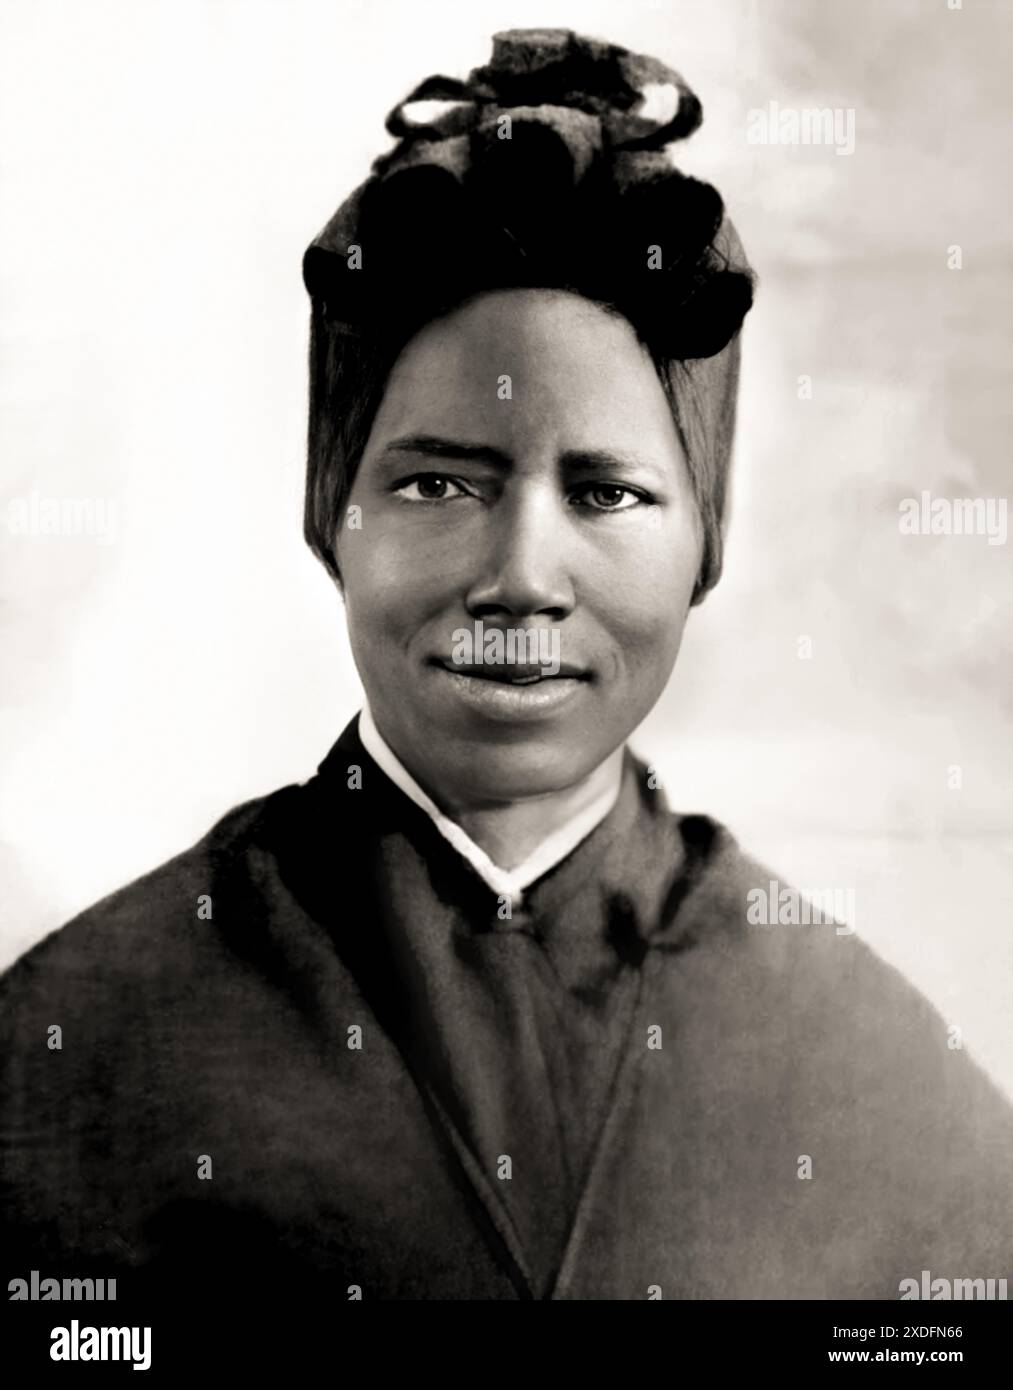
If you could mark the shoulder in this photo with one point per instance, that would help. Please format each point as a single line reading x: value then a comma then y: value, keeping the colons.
x: 814, y: 1012
x: 820, y: 1096
x: 798, y: 949
x: 146, y: 928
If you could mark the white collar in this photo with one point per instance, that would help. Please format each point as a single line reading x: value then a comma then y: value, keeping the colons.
x: 505, y: 883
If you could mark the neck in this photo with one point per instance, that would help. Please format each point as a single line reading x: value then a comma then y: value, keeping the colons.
x: 511, y: 831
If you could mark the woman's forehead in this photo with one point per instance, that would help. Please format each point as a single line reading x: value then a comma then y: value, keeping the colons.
x: 523, y: 362
x: 530, y: 319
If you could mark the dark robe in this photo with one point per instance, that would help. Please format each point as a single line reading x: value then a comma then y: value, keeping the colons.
x: 611, y: 1094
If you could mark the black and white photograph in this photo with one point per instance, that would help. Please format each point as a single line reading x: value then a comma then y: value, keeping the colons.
x: 507, y: 657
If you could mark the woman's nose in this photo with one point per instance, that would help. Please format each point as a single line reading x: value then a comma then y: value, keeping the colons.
x: 524, y: 570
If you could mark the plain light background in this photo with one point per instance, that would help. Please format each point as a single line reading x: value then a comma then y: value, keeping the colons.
x: 164, y: 163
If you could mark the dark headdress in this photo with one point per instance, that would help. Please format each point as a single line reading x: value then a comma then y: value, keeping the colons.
x: 544, y: 169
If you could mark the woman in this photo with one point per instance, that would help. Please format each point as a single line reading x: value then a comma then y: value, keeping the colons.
x: 472, y: 1013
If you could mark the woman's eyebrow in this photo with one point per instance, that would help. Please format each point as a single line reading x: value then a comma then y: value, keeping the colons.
x: 436, y: 447
x: 570, y: 462
x: 603, y: 461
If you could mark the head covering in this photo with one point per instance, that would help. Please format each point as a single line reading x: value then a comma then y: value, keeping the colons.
x: 544, y: 169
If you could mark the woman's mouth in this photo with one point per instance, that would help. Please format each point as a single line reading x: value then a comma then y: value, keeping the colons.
x: 512, y: 692
x: 512, y: 673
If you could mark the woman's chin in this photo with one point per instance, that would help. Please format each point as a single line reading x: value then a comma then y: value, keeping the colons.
x: 497, y: 774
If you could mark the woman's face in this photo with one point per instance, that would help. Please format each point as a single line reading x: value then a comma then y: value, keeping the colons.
x: 524, y: 504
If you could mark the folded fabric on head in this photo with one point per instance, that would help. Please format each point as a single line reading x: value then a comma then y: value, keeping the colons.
x: 542, y: 170
x: 547, y: 168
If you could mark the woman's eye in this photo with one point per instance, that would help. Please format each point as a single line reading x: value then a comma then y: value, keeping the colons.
x: 609, y: 497
x: 430, y: 487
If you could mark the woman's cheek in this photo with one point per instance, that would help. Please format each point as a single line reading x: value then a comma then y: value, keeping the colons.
x: 375, y: 565
x: 653, y: 585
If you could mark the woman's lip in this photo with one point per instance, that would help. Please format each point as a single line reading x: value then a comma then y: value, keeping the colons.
x: 503, y: 700
x: 513, y: 674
